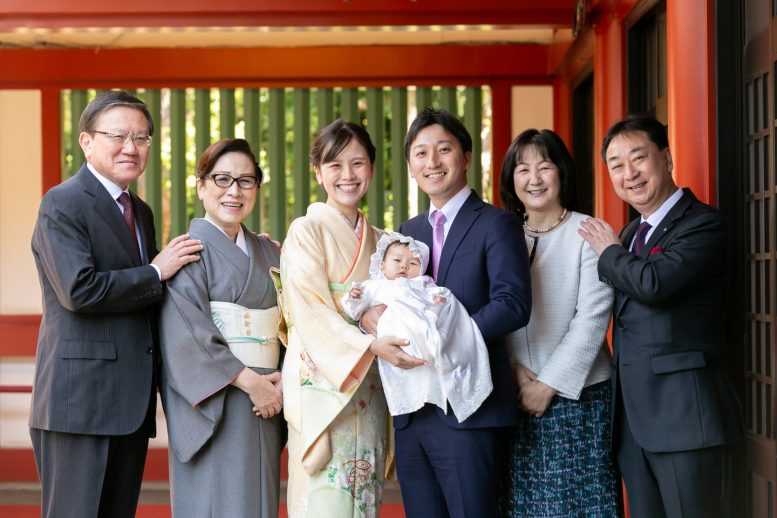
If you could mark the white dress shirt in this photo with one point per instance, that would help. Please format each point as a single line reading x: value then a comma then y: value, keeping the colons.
x: 450, y: 209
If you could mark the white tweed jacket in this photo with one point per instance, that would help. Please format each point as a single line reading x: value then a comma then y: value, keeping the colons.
x: 565, y: 341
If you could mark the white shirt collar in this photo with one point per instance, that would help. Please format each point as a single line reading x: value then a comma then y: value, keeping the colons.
x: 451, y: 207
x: 113, y: 189
x: 656, y: 218
x: 241, y: 238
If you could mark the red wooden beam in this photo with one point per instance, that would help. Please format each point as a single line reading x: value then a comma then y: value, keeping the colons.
x: 304, y: 66
x: 501, y: 122
x: 296, y: 13
x: 609, y: 107
x: 18, y: 465
x: 51, y: 132
x: 18, y: 334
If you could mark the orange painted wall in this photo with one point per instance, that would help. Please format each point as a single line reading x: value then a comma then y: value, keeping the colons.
x: 690, y: 48
x: 609, y: 107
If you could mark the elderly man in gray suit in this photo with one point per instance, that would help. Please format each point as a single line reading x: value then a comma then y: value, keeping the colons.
x: 676, y: 417
x: 94, y: 395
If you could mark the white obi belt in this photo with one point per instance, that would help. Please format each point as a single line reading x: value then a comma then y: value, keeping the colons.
x: 252, y: 334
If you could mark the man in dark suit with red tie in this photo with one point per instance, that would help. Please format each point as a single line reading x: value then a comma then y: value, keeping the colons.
x: 94, y: 394
x: 676, y: 416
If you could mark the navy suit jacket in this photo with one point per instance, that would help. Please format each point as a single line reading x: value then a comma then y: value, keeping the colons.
x: 668, y: 334
x: 94, y: 369
x: 485, y: 264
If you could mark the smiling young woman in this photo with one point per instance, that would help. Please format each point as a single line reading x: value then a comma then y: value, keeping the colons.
x: 332, y: 389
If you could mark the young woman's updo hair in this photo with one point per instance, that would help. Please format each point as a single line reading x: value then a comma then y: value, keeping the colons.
x: 336, y: 137
x: 550, y: 147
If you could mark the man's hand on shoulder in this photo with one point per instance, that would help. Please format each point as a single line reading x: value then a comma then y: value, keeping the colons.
x: 178, y: 253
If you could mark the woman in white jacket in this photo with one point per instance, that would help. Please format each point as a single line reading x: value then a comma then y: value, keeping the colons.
x: 561, y: 448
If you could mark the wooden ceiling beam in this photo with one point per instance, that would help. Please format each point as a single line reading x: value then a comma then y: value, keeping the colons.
x: 273, y: 67
x: 282, y: 13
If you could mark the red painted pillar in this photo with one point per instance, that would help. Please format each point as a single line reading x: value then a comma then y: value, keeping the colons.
x: 562, y: 110
x: 501, y: 120
x: 690, y: 49
x: 609, y: 107
x: 51, y: 137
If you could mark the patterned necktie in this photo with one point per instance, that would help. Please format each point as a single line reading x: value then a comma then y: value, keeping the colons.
x: 129, y: 217
x: 438, y: 237
x: 639, y: 241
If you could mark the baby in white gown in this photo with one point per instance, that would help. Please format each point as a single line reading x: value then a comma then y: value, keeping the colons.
x: 437, y: 325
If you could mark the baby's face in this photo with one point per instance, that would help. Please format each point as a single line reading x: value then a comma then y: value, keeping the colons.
x: 399, y: 261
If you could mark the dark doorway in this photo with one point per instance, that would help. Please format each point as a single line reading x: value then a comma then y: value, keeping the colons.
x: 583, y: 151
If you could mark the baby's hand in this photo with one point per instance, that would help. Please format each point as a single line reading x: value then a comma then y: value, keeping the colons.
x: 439, y: 299
x: 356, y: 292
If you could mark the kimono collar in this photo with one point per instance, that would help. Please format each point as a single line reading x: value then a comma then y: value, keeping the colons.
x: 241, y: 237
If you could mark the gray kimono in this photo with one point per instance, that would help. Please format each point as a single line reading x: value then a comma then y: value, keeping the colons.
x: 224, y: 460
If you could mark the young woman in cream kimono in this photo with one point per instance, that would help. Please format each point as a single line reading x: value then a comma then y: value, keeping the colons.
x: 333, y: 400
x: 221, y: 386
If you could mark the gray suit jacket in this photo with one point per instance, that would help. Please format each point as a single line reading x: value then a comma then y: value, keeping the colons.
x: 668, y: 335
x: 94, y: 369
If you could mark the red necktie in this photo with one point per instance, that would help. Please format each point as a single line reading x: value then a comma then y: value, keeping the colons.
x: 129, y: 217
x: 639, y: 241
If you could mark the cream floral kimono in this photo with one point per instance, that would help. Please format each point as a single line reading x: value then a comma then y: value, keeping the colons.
x: 333, y: 399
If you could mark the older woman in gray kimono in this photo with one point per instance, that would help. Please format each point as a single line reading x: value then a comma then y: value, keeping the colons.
x: 221, y: 386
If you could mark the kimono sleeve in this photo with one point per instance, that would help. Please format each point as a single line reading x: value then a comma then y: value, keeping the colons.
x: 338, y: 349
x: 196, y: 359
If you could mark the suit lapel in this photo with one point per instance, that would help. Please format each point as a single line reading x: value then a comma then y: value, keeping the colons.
x: 461, y: 224
x: 145, y: 220
x: 424, y: 234
x: 106, y: 207
x: 669, y: 221
x: 661, y: 231
x: 627, y: 234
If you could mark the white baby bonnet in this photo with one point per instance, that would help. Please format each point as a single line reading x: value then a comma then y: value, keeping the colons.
x: 418, y: 248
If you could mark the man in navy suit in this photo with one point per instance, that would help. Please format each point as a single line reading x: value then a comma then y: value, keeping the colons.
x: 675, y: 417
x: 447, y: 468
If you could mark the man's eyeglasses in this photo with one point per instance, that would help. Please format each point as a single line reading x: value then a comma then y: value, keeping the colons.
x: 225, y: 181
x: 121, y: 138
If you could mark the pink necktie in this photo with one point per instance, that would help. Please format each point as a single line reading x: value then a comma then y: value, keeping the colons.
x: 639, y: 240
x: 129, y: 217
x: 438, y: 237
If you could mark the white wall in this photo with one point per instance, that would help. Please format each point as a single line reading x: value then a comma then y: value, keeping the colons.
x: 532, y: 108
x: 20, y: 193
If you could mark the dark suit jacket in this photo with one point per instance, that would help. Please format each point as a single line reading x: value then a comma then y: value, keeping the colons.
x: 668, y: 334
x: 485, y: 264
x: 94, y: 368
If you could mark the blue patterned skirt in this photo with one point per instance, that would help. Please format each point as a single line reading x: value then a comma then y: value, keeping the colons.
x: 561, y: 462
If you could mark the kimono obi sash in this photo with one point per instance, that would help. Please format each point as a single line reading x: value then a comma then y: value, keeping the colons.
x: 252, y: 334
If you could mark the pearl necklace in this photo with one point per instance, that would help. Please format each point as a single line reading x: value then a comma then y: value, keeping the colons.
x: 543, y: 230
